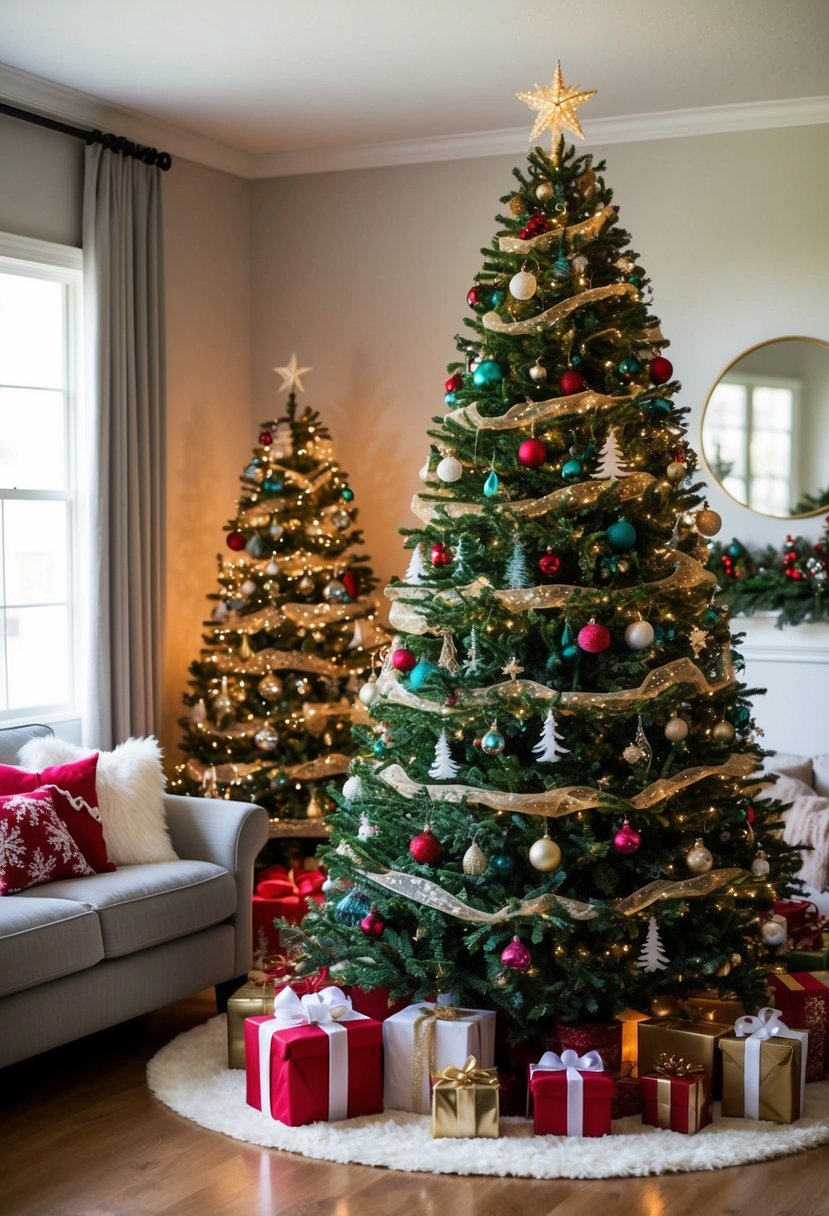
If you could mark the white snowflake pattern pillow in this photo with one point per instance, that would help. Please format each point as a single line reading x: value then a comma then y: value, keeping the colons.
x: 35, y: 844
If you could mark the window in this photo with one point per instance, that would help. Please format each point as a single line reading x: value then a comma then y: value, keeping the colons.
x: 40, y: 335
x: 749, y: 439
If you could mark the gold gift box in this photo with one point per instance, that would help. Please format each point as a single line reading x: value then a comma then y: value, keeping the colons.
x: 465, y: 1102
x: 630, y: 1019
x: 249, y: 1001
x: 780, y: 1078
x: 693, y: 1041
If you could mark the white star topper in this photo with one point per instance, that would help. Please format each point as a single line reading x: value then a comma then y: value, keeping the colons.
x: 292, y: 376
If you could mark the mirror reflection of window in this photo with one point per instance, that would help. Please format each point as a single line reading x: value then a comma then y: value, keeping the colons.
x: 765, y: 430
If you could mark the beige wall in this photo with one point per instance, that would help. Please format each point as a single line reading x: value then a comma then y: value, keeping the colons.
x: 365, y: 274
x: 41, y: 183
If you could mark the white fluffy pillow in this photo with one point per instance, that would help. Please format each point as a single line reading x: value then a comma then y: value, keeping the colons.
x: 130, y: 783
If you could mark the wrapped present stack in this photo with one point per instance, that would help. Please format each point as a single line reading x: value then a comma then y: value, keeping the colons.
x: 803, y: 1001
x: 281, y: 894
x: 807, y: 935
x: 422, y: 1040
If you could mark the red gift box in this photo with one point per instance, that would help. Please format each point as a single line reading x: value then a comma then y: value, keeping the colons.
x: 571, y: 1095
x: 281, y: 894
x: 803, y: 1001
x: 603, y: 1037
x: 678, y: 1103
x: 375, y: 1002
x: 803, y: 925
x: 627, y: 1099
x: 300, y: 1070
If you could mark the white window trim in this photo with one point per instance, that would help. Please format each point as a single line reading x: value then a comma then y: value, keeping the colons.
x: 35, y: 258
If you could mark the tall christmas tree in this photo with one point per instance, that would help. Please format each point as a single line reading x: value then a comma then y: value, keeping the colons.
x: 560, y: 824
x: 292, y: 631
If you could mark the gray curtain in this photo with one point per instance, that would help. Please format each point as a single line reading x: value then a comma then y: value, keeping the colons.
x: 124, y: 390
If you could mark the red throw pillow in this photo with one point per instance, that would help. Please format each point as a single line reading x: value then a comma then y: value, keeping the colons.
x: 75, y: 801
x: 35, y: 843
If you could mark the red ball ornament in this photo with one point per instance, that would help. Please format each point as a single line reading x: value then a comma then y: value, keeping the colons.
x: 403, y: 659
x: 373, y: 924
x: 454, y: 383
x: 536, y: 224
x: 349, y: 582
x: 593, y: 638
x: 660, y: 369
x: 236, y: 541
x: 426, y: 848
x: 472, y: 300
x: 751, y: 814
x: 532, y: 453
x: 572, y: 382
x: 627, y: 840
x: 265, y: 438
x: 549, y: 563
x: 441, y: 556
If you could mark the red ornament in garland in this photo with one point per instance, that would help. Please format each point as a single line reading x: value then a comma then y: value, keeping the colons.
x: 441, y: 555
x: 373, y: 924
x: 572, y: 382
x: 403, y: 659
x: 661, y: 369
x: 426, y: 848
x: 549, y: 563
x: 454, y: 384
x: 349, y: 582
x: 593, y: 638
x: 236, y: 541
x: 536, y: 224
x: 532, y: 453
x: 265, y: 438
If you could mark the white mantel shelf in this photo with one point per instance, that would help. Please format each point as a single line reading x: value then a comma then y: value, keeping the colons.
x: 763, y: 641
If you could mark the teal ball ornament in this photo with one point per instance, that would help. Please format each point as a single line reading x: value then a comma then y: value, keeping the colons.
x: 352, y: 908
x: 657, y: 407
x: 273, y: 485
x: 493, y: 743
x: 450, y: 399
x: 379, y: 748
x: 347, y: 494
x: 572, y: 469
x: 570, y: 651
x: 621, y: 536
x: 735, y: 549
x: 487, y: 374
x: 629, y: 367
x: 496, y: 298
x: 421, y: 674
x: 502, y: 864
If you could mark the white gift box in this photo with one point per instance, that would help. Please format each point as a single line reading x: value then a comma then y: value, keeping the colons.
x: 458, y: 1033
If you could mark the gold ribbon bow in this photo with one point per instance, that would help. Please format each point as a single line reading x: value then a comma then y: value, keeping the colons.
x: 467, y: 1074
x: 674, y: 1066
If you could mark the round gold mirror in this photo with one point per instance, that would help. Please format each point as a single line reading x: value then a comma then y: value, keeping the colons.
x: 765, y: 428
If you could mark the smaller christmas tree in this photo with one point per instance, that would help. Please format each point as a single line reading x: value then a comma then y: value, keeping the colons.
x: 289, y: 639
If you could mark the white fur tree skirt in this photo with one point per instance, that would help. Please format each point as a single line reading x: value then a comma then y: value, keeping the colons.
x: 191, y: 1076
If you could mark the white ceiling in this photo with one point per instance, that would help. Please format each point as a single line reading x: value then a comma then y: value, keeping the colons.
x: 263, y: 79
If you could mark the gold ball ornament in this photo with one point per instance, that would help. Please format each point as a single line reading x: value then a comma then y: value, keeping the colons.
x: 474, y: 860
x: 676, y: 729
x: 723, y: 732
x: 501, y: 980
x: 736, y: 959
x: 708, y: 522
x: 545, y: 854
x: 544, y: 192
x: 698, y: 859
x: 677, y: 472
x: 517, y: 205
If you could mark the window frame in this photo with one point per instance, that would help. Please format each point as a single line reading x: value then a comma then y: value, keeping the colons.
x: 33, y: 258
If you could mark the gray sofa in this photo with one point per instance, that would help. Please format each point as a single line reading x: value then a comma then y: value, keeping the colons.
x: 81, y: 954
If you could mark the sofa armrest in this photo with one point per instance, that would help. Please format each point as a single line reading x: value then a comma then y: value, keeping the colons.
x: 230, y: 834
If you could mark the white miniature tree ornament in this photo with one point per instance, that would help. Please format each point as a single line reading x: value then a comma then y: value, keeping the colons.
x: 517, y: 573
x: 653, y: 956
x: 611, y: 462
x: 415, y: 569
x: 548, y: 749
x: 444, y: 768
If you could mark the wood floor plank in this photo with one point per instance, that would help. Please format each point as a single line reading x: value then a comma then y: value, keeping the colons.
x: 81, y: 1135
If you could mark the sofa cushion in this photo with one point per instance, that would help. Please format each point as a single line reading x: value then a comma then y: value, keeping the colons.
x: 799, y: 767
x: 144, y: 905
x: 75, y: 800
x: 36, y: 846
x: 820, y: 767
x: 42, y: 939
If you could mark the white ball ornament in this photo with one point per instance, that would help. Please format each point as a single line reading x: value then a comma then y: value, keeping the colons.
x: 369, y: 693
x: 773, y: 933
x: 352, y: 789
x: 450, y: 469
x: 639, y: 635
x: 760, y: 866
x: 523, y: 285
x: 545, y: 854
x: 248, y: 587
x: 698, y: 859
x: 676, y: 729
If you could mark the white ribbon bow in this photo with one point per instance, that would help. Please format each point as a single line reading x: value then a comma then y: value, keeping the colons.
x: 324, y: 1009
x: 574, y: 1065
x: 755, y: 1030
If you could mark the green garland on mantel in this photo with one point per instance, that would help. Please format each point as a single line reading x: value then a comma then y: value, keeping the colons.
x: 793, y: 582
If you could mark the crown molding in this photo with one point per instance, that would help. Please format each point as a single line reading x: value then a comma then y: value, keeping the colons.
x: 57, y: 101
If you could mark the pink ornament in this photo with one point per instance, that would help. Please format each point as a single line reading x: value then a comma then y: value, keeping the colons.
x: 627, y: 840
x: 593, y: 638
x: 532, y: 453
x: 373, y: 924
x: 516, y: 955
x: 403, y: 660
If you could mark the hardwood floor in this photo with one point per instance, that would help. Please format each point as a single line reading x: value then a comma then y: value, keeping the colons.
x: 80, y: 1135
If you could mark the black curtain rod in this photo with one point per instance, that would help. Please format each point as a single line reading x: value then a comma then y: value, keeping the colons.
x: 115, y: 143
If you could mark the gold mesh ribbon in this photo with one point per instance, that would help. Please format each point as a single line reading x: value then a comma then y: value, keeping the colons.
x: 559, y: 502
x: 301, y: 614
x: 332, y: 765
x: 575, y: 235
x: 567, y: 799
x: 551, y: 316
x: 534, y: 413
x: 264, y: 661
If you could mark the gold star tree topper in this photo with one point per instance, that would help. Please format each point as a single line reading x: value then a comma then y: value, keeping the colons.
x: 556, y: 105
x: 292, y: 376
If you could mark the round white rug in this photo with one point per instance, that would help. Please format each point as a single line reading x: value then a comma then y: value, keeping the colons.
x: 191, y: 1076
